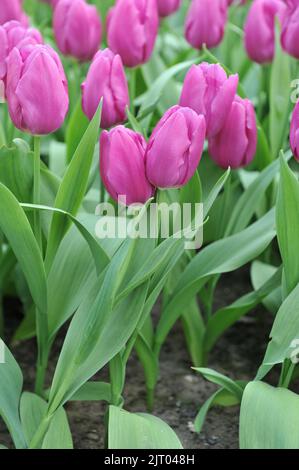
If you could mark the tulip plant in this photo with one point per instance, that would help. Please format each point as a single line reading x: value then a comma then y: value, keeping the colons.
x: 110, y: 109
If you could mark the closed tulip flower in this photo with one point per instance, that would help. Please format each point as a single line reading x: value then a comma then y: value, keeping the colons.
x: 36, y: 89
x: 260, y: 29
x: 14, y: 34
x: 12, y: 10
x: 294, y: 132
x: 205, y: 22
x: 167, y: 7
x: 208, y: 91
x: 77, y: 29
x: 122, y: 165
x: 132, y: 28
x: 290, y: 28
x: 235, y: 145
x: 175, y: 148
x: 106, y: 78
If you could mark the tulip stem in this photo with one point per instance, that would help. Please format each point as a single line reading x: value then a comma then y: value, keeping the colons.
x: 132, y: 88
x: 36, y: 190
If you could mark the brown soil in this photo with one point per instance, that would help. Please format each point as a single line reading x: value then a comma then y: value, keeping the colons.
x: 180, y: 391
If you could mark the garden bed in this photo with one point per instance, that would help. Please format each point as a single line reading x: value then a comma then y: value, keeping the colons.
x: 180, y: 391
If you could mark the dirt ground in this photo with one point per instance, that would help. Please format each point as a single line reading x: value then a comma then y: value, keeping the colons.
x: 180, y: 391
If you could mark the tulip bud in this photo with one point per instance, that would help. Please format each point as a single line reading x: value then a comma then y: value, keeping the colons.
x: 208, y: 91
x: 294, y: 132
x: 36, y: 89
x: 132, y: 27
x: 205, y: 23
x: 77, y: 28
x: 175, y: 147
x: 290, y: 28
x: 122, y: 165
x: 167, y: 7
x: 235, y: 145
x: 260, y: 29
x: 12, y: 10
x: 106, y: 78
x: 14, y: 34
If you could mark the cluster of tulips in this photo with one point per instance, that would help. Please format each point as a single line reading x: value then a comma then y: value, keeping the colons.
x: 37, y: 95
x: 111, y: 70
x: 260, y: 29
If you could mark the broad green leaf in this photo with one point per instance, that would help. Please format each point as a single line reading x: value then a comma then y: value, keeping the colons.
x: 33, y: 410
x: 8, y: 262
x: 100, y: 257
x: 287, y: 223
x: 251, y: 198
x: 16, y: 169
x: 82, y: 349
x: 259, y: 273
x: 93, y: 391
x: 215, y: 259
x: 57, y: 157
x: 194, y: 331
x: 83, y: 355
x: 269, y: 418
x: 75, y: 130
x: 212, y: 196
x: 154, y: 260
x: 11, y: 381
x: 285, y: 331
x: 279, y: 96
x: 139, y: 431
x: 263, y: 156
x: 233, y: 387
x: 59, y: 434
x: 14, y: 224
x: 221, y: 397
x: 70, y: 276
x: 73, y: 186
x: 192, y: 191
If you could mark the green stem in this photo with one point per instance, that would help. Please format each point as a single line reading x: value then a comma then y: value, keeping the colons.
x: 41, y: 368
x: 132, y: 88
x: 36, y: 190
x: 286, y: 374
x: 117, y: 370
x: 102, y: 192
x: 226, y: 206
x: 75, y: 83
x: 41, y: 335
x: 38, y: 437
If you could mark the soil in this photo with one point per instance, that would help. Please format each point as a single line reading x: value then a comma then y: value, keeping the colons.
x: 180, y: 391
